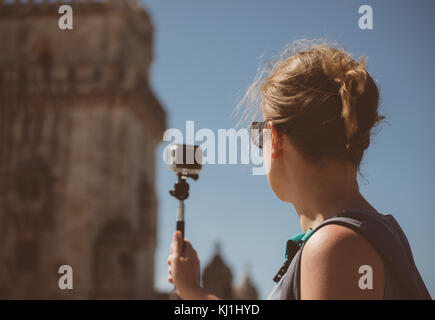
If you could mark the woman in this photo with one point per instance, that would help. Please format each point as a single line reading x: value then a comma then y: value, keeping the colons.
x: 320, y: 106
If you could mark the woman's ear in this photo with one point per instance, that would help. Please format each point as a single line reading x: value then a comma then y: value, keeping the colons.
x: 276, y: 142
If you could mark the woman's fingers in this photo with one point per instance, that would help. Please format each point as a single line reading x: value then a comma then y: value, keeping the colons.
x: 178, y: 243
x: 180, y: 253
x: 189, y: 250
x: 183, y: 265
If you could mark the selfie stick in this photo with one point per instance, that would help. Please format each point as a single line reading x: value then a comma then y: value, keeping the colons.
x: 181, y: 192
x: 180, y: 221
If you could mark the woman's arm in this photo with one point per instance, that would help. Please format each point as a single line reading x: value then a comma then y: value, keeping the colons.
x: 330, y: 266
x: 184, y: 270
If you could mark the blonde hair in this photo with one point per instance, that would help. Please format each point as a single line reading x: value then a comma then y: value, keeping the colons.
x: 325, y: 101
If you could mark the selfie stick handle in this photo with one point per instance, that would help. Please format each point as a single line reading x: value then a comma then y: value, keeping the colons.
x: 180, y: 221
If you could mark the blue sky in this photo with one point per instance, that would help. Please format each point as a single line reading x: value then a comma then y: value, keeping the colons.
x: 206, y: 55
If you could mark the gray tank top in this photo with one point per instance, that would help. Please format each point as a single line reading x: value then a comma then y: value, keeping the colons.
x: 402, y: 279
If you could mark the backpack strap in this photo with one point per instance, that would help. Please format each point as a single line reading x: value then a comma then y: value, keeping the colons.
x: 385, y: 235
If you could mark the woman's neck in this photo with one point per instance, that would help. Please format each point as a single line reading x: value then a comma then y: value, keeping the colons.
x: 310, y: 217
x: 325, y: 198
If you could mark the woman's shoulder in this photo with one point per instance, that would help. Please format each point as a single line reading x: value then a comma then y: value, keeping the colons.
x: 333, y: 262
x: 336, y: 240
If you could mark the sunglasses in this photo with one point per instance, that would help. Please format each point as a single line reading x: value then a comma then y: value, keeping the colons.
x: 256, y: 130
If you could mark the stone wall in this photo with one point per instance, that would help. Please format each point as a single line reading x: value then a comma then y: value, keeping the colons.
x: 79, y: 126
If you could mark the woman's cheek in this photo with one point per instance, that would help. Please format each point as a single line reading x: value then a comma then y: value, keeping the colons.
x: 276, y: 179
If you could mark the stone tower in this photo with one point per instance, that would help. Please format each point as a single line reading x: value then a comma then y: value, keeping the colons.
x: 217, y: 277
x: 246, y: 290
x: 79, y: 127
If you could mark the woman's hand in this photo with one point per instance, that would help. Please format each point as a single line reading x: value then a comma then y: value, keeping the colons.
x: 184, y: 269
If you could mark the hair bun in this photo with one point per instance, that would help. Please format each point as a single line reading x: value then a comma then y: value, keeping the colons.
x: 359, y: 144
x: 352, y: 86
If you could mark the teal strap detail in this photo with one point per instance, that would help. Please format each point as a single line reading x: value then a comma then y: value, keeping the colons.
x: 307, y: 235
x: 299, y: 239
